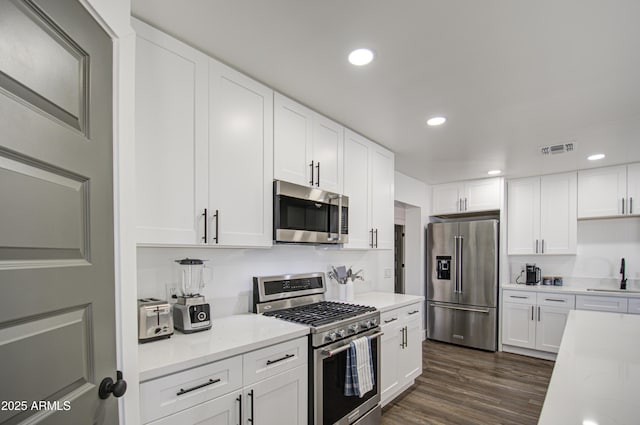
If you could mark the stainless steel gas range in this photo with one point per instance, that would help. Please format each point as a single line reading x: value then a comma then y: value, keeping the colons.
x: 300, y: 298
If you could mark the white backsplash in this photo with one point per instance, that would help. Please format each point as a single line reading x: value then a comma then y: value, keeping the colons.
x: 601, y: 245
x: 230, y: 291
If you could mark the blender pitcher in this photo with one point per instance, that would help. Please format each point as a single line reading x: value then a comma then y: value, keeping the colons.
x: 192, y: 276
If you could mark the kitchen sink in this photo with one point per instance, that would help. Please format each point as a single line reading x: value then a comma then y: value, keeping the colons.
x: 614, y: 290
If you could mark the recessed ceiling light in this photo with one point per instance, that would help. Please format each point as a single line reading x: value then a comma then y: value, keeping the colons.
x: 588, y: 422
x: 360, y: 57
x: 595, y: 157
x: 436, y: 121
x: 494, y: 172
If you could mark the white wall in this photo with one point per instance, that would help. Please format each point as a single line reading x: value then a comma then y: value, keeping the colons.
x: 601, y: 245
x: 230, y: 291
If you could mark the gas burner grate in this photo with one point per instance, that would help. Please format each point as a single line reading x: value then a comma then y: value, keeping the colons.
x: 321, y: 313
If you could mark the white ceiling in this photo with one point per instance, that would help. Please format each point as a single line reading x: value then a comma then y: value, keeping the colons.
x: 510, y: 75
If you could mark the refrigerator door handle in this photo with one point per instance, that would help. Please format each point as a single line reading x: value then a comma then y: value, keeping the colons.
x: 459, y: 264
x: 450, y: 307
x: 455, y: 257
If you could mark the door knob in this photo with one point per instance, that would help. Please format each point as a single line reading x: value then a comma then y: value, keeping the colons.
x: 108, y: 387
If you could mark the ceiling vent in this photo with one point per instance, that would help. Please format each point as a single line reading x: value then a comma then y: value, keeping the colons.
x: 557, y: 149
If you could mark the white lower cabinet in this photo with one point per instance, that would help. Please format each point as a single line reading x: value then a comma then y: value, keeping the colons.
x: 600, y: 303
x: 401, y: 351
x: 535, y: 320
x: 262, y: 387
x: 634, y: 306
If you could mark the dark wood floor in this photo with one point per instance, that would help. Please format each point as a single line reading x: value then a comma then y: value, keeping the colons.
x: 466, y: 386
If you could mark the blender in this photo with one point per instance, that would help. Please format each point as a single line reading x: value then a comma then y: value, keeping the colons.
x: 191, y: 313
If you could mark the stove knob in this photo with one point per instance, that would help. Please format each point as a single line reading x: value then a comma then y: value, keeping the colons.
x: 342, y: 333
x: 374, y: 322
x: 368, y: 324
x: 331, y: 336
x: 354, y: 328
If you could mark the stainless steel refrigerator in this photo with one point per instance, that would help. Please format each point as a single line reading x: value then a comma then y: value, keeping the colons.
x: 462, y: 283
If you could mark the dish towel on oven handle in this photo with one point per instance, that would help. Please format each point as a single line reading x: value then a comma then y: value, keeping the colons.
x: 359, y: 376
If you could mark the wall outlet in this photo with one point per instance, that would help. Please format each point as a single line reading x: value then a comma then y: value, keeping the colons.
x: 388, y: 272
x: 172, y: 292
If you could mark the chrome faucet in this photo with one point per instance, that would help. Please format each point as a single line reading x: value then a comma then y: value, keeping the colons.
x: 623, y: 282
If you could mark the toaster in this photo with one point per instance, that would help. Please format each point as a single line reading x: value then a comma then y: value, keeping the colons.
x: 155, y: 320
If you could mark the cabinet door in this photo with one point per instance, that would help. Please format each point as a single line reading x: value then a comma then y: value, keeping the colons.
x: 356, y: 187
x: 390, y: 356
x: 550, y: 327
x: 523, y: 210
x: 558, y: 214
x: 633, y: 189
x: 481, y: 195
x: 223, y: 410
x: 279, y: 400
x: 328, y: 142
x: 518, y: 325
x: 446, y: 199
x: 171, y: 139
x: 382, y: 185
x: 292, y: 129
x: 601, y: 191
x: 240, y: 159
x: 411, y: 354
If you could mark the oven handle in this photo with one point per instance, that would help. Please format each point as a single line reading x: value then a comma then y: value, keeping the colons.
x: 329, y: 353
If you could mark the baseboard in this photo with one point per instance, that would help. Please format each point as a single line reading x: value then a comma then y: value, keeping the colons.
x: 396, y: 393
x: 529, y: 352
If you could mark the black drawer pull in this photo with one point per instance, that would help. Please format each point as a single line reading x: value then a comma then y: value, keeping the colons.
x: 554, y: 299
x: 414, y: 312
x: 288, y: 356
x: 518, y: 296
x: 197, y: 387
x: 391, y: 320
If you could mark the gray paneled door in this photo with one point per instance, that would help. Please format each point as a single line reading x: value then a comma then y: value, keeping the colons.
x: 57, y: 309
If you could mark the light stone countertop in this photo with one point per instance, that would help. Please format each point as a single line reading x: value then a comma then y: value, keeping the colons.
x: 596, y: 378
x: 577, y: 290
x: 385, y: 301
x: 228, y: 337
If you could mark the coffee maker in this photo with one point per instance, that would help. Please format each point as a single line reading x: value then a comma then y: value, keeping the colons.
x: 533, y: 274
x: 191, y: 313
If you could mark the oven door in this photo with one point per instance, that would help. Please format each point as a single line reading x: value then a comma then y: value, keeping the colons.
x: 303, y: 214
x: 330, y: 405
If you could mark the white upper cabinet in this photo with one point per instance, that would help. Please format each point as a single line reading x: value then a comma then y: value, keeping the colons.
x: 171, y: 138
x: 633, y: 188
x: 308, y: 147
x: 369, y: 184
x: 468, y: 196
x: 204, y: 148
x: 602, y: 192
x: 240, y: 159
x: 542, y: 215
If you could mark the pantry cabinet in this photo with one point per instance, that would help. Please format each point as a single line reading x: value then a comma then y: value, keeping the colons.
x: 369, y: 184
x: 308, y: 147
x: 466, y: 197
x: 542, y: 215
x: 609, y: 191
x: 204, y: 148
x: 535, y: 320
x: 401, y: 354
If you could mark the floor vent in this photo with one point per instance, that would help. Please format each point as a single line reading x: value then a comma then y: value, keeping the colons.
x: 557, y: 149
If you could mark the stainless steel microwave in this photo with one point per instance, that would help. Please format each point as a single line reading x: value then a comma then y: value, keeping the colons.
x: 304, y: 214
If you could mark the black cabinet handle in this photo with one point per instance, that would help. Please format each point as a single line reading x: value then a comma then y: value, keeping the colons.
x: 622, y: 205
x: 538, y: 313
x: 414, y: 312
x: 217, y: 216
x: 311, y: 181
x: 205, y: 225
x: 376, y: 238
x: 288, y: 356
x: 251, y: 404
x: 393, y: 319
x: 239, y: 400
x: 197, y: 387
x: 318, y: 174
x: 371, y: 244
x: 630, y: 205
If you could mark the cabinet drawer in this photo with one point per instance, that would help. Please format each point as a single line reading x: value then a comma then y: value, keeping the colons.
x: 402, y: 314
x: 270, y: 361
x: 170, y: 394
x: 557, y: 300
x: 589, y: 302
x: 634, y: 306
x: 519, y: 297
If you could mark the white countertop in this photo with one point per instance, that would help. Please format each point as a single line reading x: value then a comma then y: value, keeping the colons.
x: 569, y: 290
x: 596, y: 378
x: 385, y: 301
x: 229, y: 336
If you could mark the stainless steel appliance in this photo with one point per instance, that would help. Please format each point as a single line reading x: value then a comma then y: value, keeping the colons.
x: 300, y: 299
x: 191, y: 313
x: 154, y: 319
x: 533, y: 274
x: 303, y: 214
x: 462, y: 283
